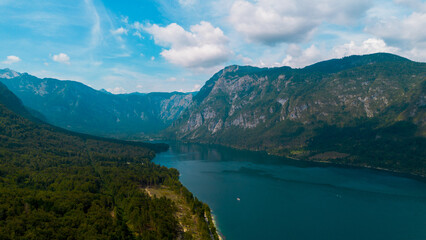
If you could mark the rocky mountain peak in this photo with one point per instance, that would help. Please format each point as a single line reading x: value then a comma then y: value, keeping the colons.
x: 8, y: 73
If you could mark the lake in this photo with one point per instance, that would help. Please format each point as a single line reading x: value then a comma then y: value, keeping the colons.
x: 285, y: 199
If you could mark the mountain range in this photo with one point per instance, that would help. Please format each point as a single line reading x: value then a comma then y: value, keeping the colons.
x: 360, y: 110
x: 77, y: 107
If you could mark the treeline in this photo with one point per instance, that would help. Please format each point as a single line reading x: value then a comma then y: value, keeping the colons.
x: 395, y: 147
x: 57, y: 185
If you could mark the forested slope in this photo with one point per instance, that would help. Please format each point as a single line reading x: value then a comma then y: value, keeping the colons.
x: 58, y: 185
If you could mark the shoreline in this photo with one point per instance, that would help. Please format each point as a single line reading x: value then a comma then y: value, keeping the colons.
x: 181, y: 149
x: 219, y: 233
x: 206, y: 217
x: 418, y: 177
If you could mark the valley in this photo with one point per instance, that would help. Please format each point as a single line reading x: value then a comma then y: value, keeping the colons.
x: 212, y: 120
x: 74, y: 106
x: 360, y: 111
x: 366, y: 111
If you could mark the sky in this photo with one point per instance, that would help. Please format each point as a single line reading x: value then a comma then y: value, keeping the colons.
x: 176, y: 45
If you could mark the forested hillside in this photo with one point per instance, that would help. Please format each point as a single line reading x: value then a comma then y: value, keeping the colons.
x: 360, y: 110
x: 55, y: 184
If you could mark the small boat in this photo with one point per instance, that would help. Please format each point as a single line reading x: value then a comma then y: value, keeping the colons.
x: 238, y: 199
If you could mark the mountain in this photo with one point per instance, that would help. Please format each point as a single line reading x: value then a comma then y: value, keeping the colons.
x: 56, y: 184
x: 8, y: 73
x: 13, y: 103
x: 77, y: 107
x: 360, y: 110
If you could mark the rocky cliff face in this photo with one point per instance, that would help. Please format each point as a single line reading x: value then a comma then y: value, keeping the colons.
x: 74, y: 106
x: 282, y: 110
x: 246, y: 97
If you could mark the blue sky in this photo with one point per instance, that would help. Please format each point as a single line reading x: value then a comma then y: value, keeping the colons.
x: 164, y: 45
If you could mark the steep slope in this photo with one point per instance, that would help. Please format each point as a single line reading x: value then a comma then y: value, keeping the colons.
x: 10, y: 101
x: 77, y: 107
x: 360, y: 110
x: 55, y: 184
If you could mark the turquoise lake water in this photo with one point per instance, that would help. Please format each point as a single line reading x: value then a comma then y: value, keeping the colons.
x: 284, y: 199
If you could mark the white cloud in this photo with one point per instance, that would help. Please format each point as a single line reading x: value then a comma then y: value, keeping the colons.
x: 266, y: 25
x: 119, y: 31
x: 11, y: 59
x: 116, y: 90
x: 137, y: 25
x: 371, y: 45
x: 407, y: 32
x: 272, y: 21
x: 187, y: 2
x: 138, y: 34
x: 125, y: 19
x: 245, y: 60
x: 401, y: 25
x: 196, y: 88
x: 417, y: 5
x: 96, y: 31
x: 297, y: 57
x: 61, y: 58
x: 416, y: 54
x: 203, y: 47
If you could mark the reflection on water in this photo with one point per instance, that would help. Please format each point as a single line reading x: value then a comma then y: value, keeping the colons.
x: 285, y: 199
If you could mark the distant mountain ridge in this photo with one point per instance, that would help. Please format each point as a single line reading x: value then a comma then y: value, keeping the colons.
x: 15, y: 104
x: 333, y: 111
x: 8, y: 73
x: 359, y: 110
x: 77, y: 107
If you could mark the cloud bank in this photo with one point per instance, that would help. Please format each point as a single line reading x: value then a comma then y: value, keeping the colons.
x: 274, y: 21
x: 202, y: 47
x: 298, y: 57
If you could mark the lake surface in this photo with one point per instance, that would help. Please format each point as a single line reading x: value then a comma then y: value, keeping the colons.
x: 284, y: 199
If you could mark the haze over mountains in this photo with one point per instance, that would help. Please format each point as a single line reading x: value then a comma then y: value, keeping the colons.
x: 77, y: 107
x: 360, y: 110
